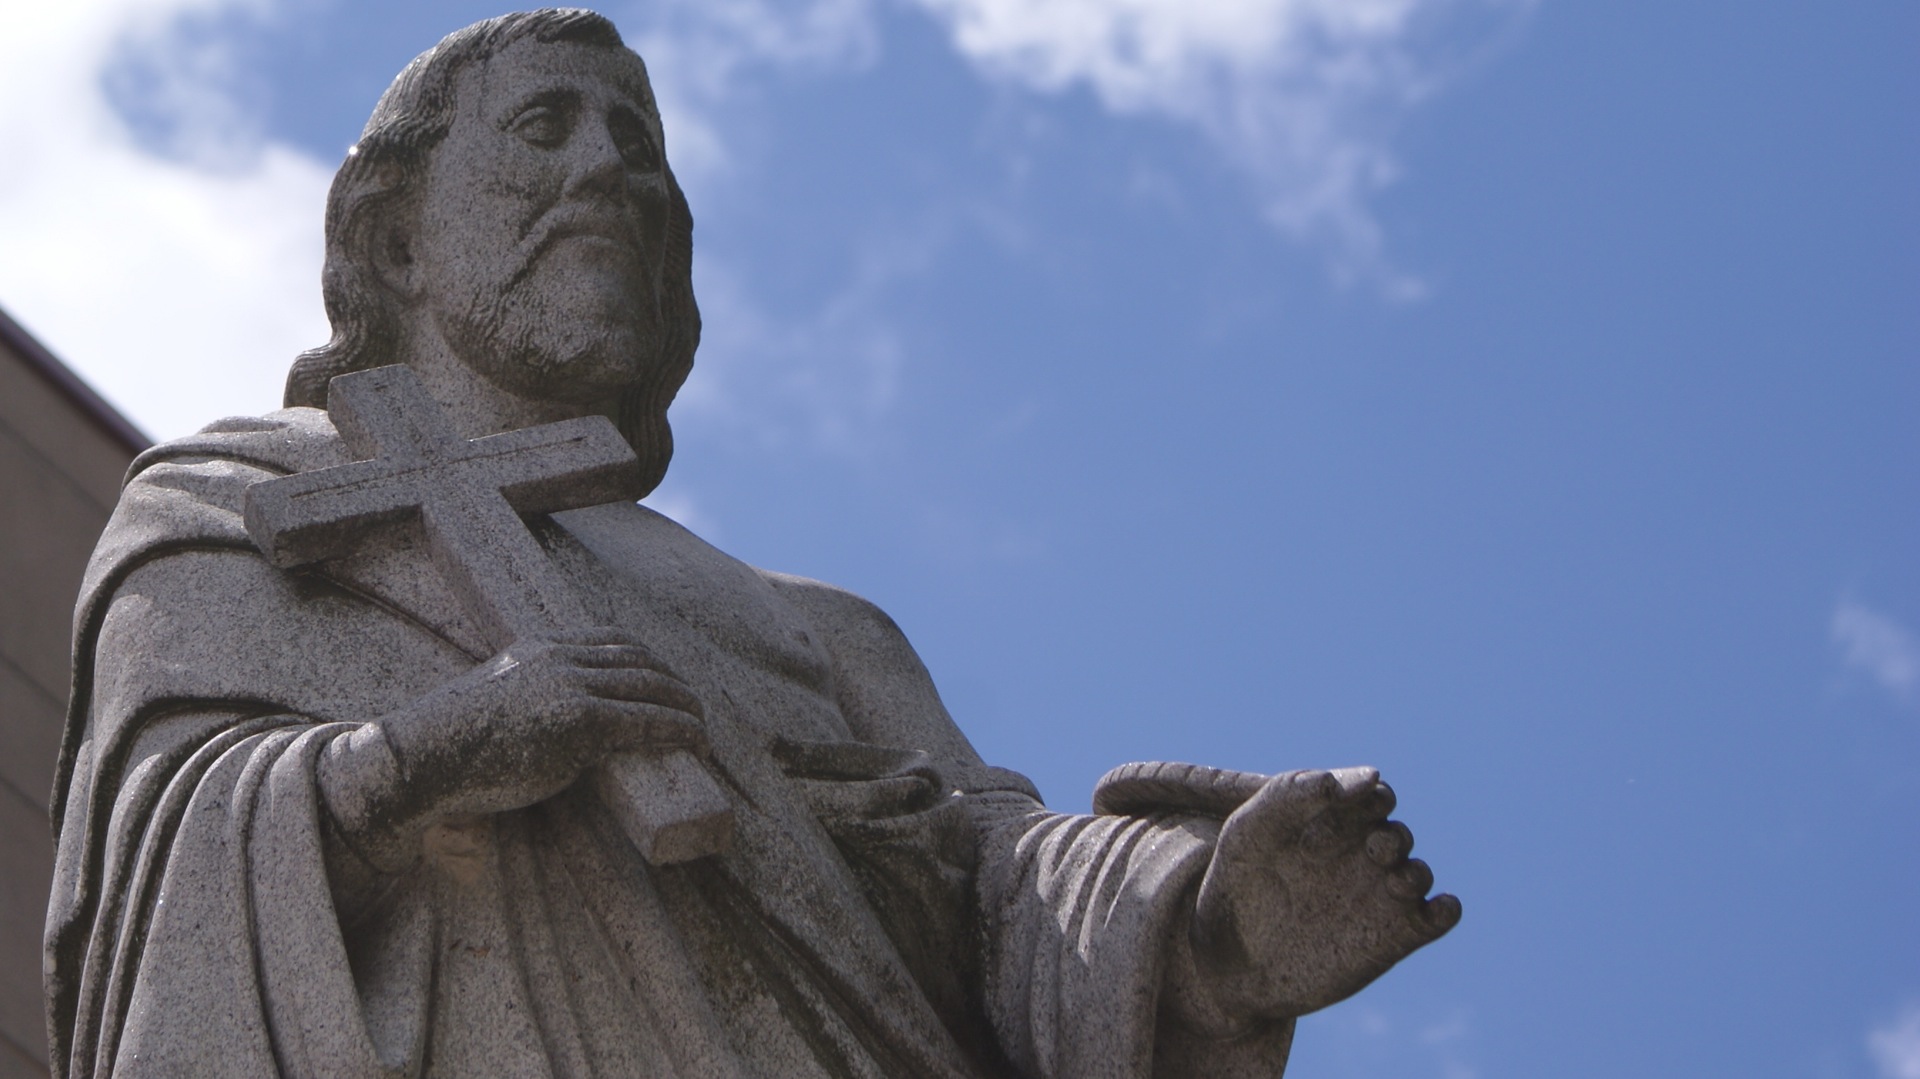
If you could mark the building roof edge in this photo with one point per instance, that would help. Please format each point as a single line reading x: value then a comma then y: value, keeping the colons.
x: 70, y: 385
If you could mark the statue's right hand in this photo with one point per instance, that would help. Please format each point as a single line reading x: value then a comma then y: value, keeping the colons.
x: 511, y: 732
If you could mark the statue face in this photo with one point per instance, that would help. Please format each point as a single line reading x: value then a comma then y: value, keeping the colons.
x: 540, y: 231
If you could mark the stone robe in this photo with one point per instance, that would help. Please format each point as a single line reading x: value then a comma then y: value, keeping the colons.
x: 892, y: 907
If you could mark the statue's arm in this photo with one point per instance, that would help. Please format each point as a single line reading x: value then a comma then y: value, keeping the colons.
x: 201, y: 643
x: 421, y: 733
x: 1054, y: 893
x: 1223, y: 931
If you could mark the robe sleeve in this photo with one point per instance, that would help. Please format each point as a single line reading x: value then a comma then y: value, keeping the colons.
x: 1080, y: 916
x: 193, y: 929
x: 223, y: 957
x: 1075, y: 915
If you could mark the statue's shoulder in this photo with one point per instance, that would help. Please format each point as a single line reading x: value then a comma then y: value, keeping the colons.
x: 190, y: 492
x: 885, y: 693
x: 833, y: 610
x: 213, y: 467
x: 289, y: 440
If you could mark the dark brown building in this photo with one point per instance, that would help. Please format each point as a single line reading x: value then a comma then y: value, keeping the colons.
x: 62, y: 453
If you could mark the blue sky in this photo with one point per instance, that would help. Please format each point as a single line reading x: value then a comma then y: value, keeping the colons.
x: 1518, y: 396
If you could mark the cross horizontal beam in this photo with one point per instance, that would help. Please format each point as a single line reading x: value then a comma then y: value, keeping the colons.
x: 467, y: 496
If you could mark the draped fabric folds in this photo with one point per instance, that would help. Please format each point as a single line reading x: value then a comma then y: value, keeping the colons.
x: 893, y: 906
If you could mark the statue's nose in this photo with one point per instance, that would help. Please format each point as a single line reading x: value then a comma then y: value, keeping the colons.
x: 598, y: 167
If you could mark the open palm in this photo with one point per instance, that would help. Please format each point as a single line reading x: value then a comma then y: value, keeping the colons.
x: 1310, y: 896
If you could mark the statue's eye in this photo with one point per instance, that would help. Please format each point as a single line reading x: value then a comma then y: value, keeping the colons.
x: 635, y: 142
x: 542, y: 125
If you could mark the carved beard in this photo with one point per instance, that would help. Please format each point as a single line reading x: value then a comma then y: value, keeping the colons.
x: 566, y: 325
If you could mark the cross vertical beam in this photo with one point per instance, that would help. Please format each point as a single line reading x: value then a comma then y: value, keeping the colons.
x: 468, y: 496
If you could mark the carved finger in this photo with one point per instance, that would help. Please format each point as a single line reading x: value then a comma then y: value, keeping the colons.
x: 893, y: 796
x: 1278, y: 813
x: 643, y: 687
x: 1437, y: 915
x: 651, y: 727
x: 1314, y: 783
x: 1410, y: 881
x: 612, y: 654
x: 1289, y: 801
x: 1389, y: 843
x: 1362, y: 800
x: 1380, y: 802
x: 1355, y: 786
x: 593, y: 635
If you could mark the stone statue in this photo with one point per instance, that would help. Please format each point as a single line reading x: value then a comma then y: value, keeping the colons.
x: 405, y: 743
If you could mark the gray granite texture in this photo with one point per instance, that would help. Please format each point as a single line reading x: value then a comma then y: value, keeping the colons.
x: 333, y: 797
x: 466, y: 498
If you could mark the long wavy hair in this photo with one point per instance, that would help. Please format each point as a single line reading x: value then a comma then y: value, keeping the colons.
x: 381, y: 172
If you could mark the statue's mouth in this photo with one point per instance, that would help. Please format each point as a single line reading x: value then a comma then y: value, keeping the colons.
x: 589, y: 223
x: 612, y: 234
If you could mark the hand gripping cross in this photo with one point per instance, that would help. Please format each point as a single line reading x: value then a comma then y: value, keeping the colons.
x: 468, y: 496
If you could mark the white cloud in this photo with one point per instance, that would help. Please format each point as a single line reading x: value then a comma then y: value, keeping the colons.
x: 177, y: 266
x: 1895, y: 1046
x: 180, y: 274
x: 1301, y: 95
x: 1880, y: 648
x: 179, y: 281
x: 701, y: 53
x: 819, y: 380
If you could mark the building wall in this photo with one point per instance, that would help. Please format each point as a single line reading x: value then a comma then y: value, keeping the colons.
x: 62, y: 454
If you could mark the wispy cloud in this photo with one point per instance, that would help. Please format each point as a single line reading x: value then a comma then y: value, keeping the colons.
x: 1301, y: 95
x: 820, y: 379
x: 159, y: 241
x: 178, y: 273
x: 1879, y: 647
x: 1895, y: 1045
x: 817, y: 378
x: 702, y: 54
x: 175, y: 260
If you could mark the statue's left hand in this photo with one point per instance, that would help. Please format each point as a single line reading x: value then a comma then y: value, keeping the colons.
x: 1310, y: 896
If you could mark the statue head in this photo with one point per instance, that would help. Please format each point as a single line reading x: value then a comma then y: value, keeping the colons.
x: 510, y: 198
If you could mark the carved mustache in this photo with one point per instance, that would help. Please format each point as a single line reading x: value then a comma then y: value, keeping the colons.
x: 575, y: 219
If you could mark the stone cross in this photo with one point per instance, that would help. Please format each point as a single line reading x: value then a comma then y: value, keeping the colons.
x: 468, y: 496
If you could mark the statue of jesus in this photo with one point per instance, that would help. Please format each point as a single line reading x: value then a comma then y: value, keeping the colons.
x: 312, y: 824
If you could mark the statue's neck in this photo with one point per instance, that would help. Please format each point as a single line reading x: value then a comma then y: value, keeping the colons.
x: 475, y: 404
